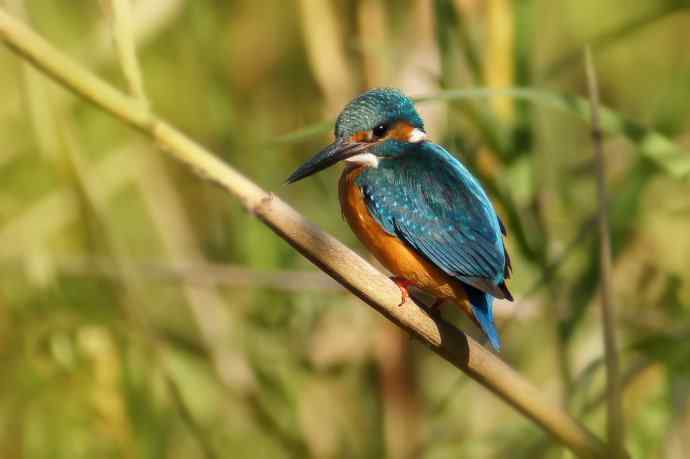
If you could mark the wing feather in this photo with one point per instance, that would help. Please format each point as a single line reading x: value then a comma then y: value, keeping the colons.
x: 427, y: 198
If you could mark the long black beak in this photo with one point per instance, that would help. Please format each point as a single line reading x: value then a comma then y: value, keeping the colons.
x: 335, y: 152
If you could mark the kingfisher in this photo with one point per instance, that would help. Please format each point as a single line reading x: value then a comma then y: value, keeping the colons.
x: 416, y: 207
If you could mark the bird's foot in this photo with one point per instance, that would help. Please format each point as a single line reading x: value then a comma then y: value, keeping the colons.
x: 403, y: 284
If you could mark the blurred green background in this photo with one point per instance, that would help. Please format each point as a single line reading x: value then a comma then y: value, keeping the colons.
x: 144, y: 314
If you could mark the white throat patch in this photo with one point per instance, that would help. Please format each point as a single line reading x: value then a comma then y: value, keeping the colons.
x: 371, y: 160
x: 417, y: 135
x: 365, y: 159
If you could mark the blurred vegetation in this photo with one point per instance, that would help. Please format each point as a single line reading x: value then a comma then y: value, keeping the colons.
x: 144, y: 314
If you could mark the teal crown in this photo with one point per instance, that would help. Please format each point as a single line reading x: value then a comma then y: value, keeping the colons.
x: 374, y: 107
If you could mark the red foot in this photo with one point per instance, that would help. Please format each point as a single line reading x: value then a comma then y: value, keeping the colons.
x: 403, y: 283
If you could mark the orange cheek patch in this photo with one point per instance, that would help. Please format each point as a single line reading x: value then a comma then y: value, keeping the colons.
x: 364, y: 136
x: 401, y: 130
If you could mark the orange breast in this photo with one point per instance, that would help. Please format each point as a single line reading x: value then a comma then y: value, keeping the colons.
x: 391, y: 252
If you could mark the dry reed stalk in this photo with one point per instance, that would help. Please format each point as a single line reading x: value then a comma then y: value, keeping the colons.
x: 614, y: 414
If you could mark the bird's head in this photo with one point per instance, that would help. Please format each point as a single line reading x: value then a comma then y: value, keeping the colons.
x: 375, y: 125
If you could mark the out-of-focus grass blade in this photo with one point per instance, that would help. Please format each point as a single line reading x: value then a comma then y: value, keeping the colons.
x: 652, y: 144
x: 625, y: 214
x: 304, y: 133
x: 525, y: 31
x: 450, y: 26
x: 275, y: 406
x: 668, y: 347
x: 469, y: 48
x: 450, y: 22
x: 571, y: 58
x: 528, y: 246
x: 444, y: 14
x: 524, y: 41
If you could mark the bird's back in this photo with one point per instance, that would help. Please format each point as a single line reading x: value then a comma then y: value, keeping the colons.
x: 427, y: 198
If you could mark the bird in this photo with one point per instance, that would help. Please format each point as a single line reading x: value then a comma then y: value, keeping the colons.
x: 416, y: 207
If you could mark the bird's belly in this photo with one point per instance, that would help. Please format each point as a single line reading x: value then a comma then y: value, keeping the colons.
x: 391, y: 252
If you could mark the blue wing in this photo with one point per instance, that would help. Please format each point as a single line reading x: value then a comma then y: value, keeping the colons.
x: 427, y: 198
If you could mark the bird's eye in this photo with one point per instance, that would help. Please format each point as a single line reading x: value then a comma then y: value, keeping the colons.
x: 380, y: 130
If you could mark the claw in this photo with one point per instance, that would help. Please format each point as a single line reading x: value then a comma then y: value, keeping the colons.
x: 402, y: 284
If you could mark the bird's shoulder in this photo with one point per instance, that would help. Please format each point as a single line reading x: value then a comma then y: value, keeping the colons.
x: 427, y: 176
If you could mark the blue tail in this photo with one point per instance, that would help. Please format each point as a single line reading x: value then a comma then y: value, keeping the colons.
x: 482, y: 307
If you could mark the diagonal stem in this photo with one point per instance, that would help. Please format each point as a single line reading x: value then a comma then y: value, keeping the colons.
x: 119, y: 12
x: 613, y: 389
x: 326, y: 252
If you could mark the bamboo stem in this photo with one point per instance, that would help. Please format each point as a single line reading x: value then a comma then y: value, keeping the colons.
x: 614, y: 418
x: 326, y: 252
